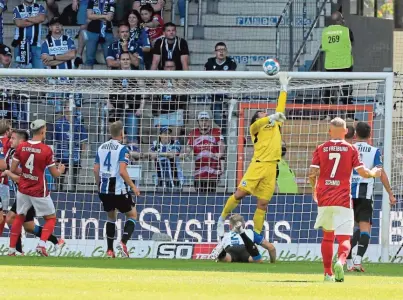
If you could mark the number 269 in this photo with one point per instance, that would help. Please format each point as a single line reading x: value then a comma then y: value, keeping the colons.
x: 333, y: 39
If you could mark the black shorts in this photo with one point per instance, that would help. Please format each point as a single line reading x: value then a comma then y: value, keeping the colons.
x: 363, y: 210
x: 30, y: 213
x: 123, y: 203
x: 238, y: 253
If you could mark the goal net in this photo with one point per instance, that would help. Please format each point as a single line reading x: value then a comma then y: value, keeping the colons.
x: 202, y: 119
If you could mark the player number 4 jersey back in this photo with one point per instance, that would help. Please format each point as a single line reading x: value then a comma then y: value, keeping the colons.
x: 336, y: 160
x: 34, y: 157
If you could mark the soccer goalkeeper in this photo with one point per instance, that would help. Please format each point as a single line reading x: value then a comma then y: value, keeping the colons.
x: 260, y: 178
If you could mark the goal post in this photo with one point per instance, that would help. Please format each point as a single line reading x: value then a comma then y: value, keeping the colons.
x: 184, y: 212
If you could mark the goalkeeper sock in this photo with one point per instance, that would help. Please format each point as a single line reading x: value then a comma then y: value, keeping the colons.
x: 18, y: 246
x: 38, y: 232
x: 354, y: 241
x: 128, y: 230
x: 47, y: 229
x: 344, y: 247
x: 327, y: 251
x: 250, y: 247
x: 362, y: 246
x: 258, y: 220
x: 231, y: 204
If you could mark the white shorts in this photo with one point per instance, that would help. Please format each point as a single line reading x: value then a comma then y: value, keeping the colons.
x: 5, y: 196
x: 335, y: 218
x: 43, y: 205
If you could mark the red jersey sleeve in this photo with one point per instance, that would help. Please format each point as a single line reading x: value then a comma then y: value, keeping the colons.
x: 356, y: 158
x: 49, y: 157
x: 316, y: 159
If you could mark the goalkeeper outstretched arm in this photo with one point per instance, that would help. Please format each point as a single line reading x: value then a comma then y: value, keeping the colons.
x: 282, y: 98
x: 259, y: 122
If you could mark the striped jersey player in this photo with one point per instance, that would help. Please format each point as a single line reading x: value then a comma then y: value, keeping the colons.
x: 362, y: 190
x: 112, y: 178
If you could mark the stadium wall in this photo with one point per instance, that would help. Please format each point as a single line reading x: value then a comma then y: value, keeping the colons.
x: 191, y: 219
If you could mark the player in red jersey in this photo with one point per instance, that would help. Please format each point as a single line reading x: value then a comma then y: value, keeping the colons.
x: 208, y: 148
x: 5, y: 133
x: 34, y: 157
x: 330, y: 174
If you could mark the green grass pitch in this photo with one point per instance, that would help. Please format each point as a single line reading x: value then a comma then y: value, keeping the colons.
x: 93, y: 279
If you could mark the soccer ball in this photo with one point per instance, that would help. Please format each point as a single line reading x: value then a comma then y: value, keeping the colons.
x: 271, y: 67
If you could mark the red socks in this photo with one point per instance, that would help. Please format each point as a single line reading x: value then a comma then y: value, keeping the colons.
x: 16, y: 230
x: 344, y: 247
x: 47, y: 229
x: 327, y: 251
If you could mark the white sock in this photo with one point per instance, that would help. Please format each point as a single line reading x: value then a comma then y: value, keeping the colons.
x: 221, y: 219
x: 11, y: 250
x: 350, y: 263
x: 357, y: 260
x: 42, y: 243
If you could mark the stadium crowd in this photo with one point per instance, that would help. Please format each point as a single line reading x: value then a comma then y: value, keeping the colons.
x: 137, y: 40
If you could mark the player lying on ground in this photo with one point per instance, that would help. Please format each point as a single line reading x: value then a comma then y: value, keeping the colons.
x: 362, y: 194
x: 260, y: 178
x: 30, y: 160
x: 239, y: 245
x: 112, y: 178
x: 17, y: 137
x: 329, y: 175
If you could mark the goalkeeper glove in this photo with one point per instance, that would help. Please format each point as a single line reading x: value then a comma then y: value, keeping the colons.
x: 284, y: 80
x: 277, y: 117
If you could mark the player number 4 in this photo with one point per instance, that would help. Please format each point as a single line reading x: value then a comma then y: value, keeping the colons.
x: 107, y: 161
x: 336, y: 157
x: 30, y: 163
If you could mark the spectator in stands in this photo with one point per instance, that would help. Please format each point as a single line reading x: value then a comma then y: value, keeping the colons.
x: 125, y: 106
x: 62, y: 141
x: 169, y: 110
x: 123, y: 44
x: 58, y: 50
x: 337, y: 44
x: 221, y: 62
x: 170, y: 47
x: 157, y: 5
x: 153, y: 24
x: 5, y: 56
x: 52, y: 9
x: 208, y: 148
x: 165, y: 153
x: 139, y: 35
x: 28, y: 18
x: 100, y: 28
x: 80, y: 6
x: 3, y: 7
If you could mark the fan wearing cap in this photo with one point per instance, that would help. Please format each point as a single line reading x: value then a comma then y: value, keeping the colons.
x: 58, y: 50
x: 207, y: 145
x: 5, y: 56
x: 165, y: 152
x: 34, y: 157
